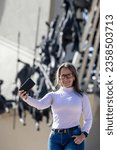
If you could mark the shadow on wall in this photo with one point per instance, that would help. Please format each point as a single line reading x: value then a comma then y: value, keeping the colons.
x: 2, y: 7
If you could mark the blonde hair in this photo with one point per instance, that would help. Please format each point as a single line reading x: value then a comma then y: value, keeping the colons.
x: 72, y: 68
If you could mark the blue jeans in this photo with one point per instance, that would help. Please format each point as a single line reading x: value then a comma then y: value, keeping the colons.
x: 64, y: 141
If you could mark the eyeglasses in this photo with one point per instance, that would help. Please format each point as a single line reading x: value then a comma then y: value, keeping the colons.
x: 67, y: 76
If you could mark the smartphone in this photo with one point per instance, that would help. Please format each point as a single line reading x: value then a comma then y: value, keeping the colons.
x: 27, y: 85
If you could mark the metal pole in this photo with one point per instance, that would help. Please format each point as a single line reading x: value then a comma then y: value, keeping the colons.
x: 36, y: 36
x: 17, y: 67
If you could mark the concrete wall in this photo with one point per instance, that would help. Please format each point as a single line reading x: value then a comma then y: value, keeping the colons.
x: 8, y: 64
x: 21, y: 16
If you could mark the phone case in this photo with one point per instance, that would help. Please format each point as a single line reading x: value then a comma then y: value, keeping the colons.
x: 27, y: 85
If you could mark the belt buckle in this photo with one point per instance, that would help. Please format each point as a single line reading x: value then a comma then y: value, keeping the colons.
x: 64, y: 131
x: 59, y: 131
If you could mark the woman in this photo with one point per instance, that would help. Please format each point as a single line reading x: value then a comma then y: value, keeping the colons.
x: 67, y: 104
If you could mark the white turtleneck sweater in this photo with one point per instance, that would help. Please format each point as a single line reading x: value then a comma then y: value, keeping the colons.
x: 67, y: 107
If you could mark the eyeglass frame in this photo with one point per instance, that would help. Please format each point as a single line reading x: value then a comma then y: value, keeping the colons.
x: 67, y: 76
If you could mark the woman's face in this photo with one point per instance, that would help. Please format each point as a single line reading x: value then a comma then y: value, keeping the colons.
x: 66, y: 78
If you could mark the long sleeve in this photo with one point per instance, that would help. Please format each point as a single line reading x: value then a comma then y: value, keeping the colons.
x: 42, y: 103
x: 87, y: 114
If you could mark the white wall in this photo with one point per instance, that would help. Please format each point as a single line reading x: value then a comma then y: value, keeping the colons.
x: 8, y: 65
x: 21, y: 16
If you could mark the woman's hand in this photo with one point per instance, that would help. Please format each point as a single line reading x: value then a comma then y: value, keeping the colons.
x: 78, y: 139
x: 23, y: 95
